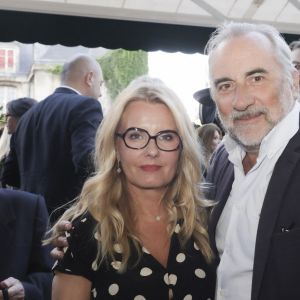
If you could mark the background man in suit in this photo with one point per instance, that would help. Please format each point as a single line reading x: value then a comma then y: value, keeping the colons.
x: 55, y: 139
x: 255, y: 227
x: 295, y: 47
x: 25, y: 266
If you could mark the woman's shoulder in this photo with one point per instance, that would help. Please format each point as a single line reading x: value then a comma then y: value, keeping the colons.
x: 81, y: 236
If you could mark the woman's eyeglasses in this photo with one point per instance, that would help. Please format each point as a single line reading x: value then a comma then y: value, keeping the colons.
x: 138, y: 138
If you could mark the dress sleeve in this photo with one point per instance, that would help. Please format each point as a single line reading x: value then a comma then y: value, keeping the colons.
x: 82, y: 250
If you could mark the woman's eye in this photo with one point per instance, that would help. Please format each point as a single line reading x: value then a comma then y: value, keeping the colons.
x: 135, y: 136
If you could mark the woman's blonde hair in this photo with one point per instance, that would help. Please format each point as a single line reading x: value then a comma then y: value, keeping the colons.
x: 105, y: 196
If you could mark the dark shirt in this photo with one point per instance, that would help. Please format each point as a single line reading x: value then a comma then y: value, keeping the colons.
x: 187, y: 274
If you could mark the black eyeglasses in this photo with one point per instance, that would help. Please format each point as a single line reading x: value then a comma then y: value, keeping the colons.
x: 138, y: 138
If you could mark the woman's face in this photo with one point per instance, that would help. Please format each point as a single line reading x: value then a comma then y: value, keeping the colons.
x: 215, y: 141
x: 147, y: 168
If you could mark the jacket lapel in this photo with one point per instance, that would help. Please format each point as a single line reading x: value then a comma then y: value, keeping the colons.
x: 221, y: 197
x: 271, y: 208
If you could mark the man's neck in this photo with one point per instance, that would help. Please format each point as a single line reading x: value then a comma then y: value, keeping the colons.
x: 249, y: 161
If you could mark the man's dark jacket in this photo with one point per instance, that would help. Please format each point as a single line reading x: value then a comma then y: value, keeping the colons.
x: 23, y: 222
x: 54, y: 144
x: 276, y: 270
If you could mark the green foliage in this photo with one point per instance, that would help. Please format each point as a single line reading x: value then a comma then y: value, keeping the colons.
x: 2, y: 117
x: 56, y: 70
x: 122, y: 66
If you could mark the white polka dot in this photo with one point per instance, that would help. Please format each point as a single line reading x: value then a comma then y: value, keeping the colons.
x: 118, y: 248
x: 172, y: 279
x: 83, y: 220
x: 196, y: 246
x: 94, y: 292
x: 68, y: 270
x: 180, y: 258
x: 95, y: 265
x: 177, y: 228
x: 171, y: 295
x: 97, y: 236
x: 113, y: 289
x: 200, y: 273
x: 116, y: 264
x: 145, y: 272
x: 145, y: 250
x: 139, y: 297
x: 67, y: 234
x: 188, y: 297
x: 166, y: 279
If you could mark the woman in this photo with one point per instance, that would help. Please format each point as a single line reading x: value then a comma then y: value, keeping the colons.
x: 139, y: 227
x: 210, y: 135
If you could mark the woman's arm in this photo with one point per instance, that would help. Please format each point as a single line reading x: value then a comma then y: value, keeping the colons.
x: 70, y: 287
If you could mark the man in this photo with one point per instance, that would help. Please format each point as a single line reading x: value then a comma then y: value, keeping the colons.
x: 25, y: 265
x: 295, y: 47
x: 15, y: 109
x: 54, y: 141
x: 255, y: 227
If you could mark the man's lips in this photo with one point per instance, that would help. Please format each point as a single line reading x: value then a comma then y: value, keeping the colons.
x: 249, y: 117
x: 150, y: 168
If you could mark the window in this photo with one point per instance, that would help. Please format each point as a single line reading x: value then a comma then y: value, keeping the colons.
x: 7, y: 93
x: 7, y: 60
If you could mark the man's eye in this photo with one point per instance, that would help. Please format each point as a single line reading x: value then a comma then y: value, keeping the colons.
x: 223, y: 87
x: 257, y: 79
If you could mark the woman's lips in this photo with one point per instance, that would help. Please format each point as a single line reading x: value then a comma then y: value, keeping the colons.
x: 150, y: 168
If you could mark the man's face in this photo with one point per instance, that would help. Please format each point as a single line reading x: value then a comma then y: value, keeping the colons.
x: 296, y: 59
x: 248, y: 88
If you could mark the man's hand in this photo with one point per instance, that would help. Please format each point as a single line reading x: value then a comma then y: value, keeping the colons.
x: 14, y: 288
x: 60, y: 242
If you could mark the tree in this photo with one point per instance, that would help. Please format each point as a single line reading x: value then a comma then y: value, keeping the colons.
x: 122, y: 66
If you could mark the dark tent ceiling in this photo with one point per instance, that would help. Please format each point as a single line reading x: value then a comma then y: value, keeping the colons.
x: 52, y: 29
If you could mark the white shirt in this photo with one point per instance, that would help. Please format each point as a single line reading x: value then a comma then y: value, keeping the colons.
x: 70, y: 88
x: 238, y: 223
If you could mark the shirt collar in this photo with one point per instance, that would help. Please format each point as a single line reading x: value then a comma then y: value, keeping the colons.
x: 70, y: 88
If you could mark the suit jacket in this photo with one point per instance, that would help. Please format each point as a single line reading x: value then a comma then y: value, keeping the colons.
x: 276, y: 269
x: 54, y: 143
x: 23, y: 222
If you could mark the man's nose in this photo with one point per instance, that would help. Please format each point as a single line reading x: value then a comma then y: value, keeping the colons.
x: 242, y: 98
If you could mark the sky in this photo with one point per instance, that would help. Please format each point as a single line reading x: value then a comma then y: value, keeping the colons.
x: 184, y: 73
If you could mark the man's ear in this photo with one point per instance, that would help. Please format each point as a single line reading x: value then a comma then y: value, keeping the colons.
x: 89, y: 78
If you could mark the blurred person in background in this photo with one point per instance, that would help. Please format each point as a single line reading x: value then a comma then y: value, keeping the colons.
x: 295, y: 48
x: 15, y: 109
x: 210, y: 135
x: 55, y: 140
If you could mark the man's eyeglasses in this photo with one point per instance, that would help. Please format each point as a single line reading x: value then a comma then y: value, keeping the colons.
x: 7, y: 115
x: 138, y: 138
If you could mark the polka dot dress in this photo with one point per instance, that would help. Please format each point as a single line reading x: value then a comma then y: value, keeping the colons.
x: 187, y: 275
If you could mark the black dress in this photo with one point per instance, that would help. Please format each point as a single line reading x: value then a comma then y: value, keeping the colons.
x: 187, y: 275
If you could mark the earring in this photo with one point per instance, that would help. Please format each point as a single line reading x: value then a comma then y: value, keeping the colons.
x: 119, y: 170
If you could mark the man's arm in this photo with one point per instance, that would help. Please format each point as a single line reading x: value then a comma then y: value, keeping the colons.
x: 38, y: 281
x: 86, y: 118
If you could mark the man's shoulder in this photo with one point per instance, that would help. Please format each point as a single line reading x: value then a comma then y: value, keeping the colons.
x: 19, y: 196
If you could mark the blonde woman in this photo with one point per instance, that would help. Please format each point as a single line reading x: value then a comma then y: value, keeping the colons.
x: 139, y: 229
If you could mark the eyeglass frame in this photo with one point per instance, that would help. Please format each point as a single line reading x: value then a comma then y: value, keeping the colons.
x: 122, y: 136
